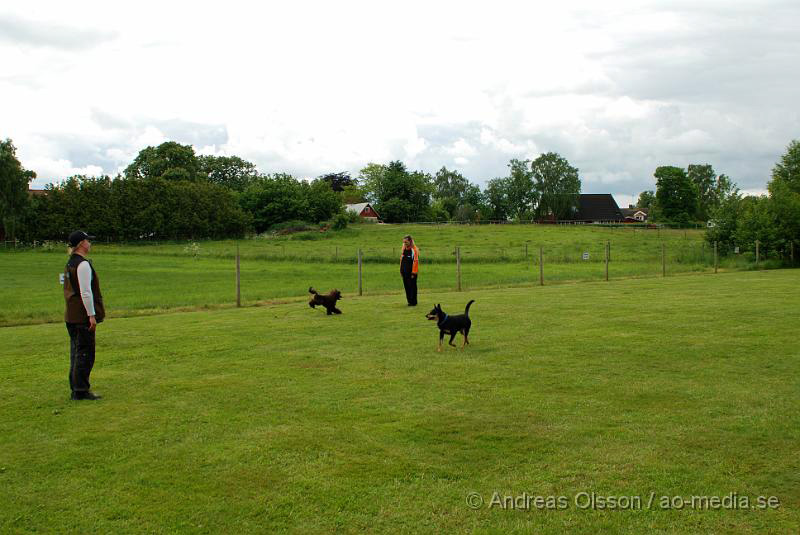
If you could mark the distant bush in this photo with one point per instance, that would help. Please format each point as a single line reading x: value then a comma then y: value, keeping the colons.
x: 309, y: 236
x: 290, y: 227
x: 340, y: 222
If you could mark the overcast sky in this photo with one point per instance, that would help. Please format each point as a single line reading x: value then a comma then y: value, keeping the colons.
x: 617, y: 88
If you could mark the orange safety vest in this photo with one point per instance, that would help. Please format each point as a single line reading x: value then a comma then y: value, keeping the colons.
x: 414, y: 259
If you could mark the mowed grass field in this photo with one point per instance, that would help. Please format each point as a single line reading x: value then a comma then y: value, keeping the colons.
x: 278, y: 418
x: 153, y: 278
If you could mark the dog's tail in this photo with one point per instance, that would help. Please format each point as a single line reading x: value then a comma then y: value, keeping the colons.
x: 466, y: 310
x: 311, y: 290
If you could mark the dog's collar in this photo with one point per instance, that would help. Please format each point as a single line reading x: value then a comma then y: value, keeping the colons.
x: 445, y: 317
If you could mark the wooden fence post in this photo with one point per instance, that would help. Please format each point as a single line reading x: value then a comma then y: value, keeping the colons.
x: 791, y: 252
x: 608, y: 247
x: 541, y: 267
x: 663, y: 260
x: 238, y: 279
x: 716, y: 258
x: 359, y: 272
x: 756, y: 252
x: 458, y: 268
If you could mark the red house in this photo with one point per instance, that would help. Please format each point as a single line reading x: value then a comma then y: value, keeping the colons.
x: 364, y: 211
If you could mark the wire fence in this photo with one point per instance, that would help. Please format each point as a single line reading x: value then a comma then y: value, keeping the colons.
x: 460, y: 268
x: 203, y: 274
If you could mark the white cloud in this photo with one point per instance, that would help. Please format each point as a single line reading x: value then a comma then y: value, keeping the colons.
x: 617, y: 88
x: 50, y: 167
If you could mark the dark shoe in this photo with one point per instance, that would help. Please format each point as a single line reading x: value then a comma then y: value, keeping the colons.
x: 77, y: 396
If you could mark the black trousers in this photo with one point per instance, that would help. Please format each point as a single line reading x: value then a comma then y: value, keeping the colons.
x: 410, y: 284
x: 81, y: 356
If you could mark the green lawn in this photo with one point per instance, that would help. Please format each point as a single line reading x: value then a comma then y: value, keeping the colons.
x: 143, y: 279
x: 279, y: 418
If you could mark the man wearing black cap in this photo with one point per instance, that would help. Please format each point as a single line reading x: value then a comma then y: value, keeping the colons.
x: 84, y: 310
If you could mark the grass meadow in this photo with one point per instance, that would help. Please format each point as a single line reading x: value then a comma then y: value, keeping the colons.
x: 278, y: 418
x: 158, y: 277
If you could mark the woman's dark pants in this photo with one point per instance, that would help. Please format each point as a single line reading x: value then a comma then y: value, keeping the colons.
x: 81, y: 357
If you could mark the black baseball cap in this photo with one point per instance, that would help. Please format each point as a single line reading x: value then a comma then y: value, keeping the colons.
x: 78, y: 236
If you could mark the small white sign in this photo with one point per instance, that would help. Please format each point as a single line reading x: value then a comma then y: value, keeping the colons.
x: 586, y: 255
x: 736, y: 249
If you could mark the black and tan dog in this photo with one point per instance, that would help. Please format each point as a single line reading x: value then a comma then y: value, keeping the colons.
x: 451, y: 324
x: 328, y: 301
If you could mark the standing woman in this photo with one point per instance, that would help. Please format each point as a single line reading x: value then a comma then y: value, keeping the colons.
x: 409, y: 269
x: 84, y: 310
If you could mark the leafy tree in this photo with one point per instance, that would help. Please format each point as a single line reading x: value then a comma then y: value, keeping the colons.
x: 170, y: 161
x: 519, y: 187
x: 474, y: 196
x: 439, y: 212
x: 557, y: 186
x: 323, y: 202
x: 473, y: 204
x: 787, y: 171
x: 676, y: 194
x: 723, y: 187
x: 704, y: 179
x: 93, y: 206
x: 14, y: 180
x: 497, y: 199
x: 467, y: 212
x: 449, y: 189
x: 756, y: 222
x: 784, y: 190
x: 372, y: 179
x: 133, y: 208
x: 338, y: 181
x: 774, y: 221
x: 273, y: 199
x: 725, y: 219
x: 647, y: 201
x: 449, y: 184
x: 354, y: 194
x: 230, y: 171
x: 785, y: 206
x: 202, y: 209
x: 400, y: 195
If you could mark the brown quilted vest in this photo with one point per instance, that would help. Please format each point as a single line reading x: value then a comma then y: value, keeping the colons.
x: 75, y: 312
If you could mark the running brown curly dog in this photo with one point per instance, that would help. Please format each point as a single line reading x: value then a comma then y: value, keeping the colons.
x: 328, y: 300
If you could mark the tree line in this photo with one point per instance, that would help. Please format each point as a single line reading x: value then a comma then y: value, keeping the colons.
x: 685, y: 196
x: 734, y: 220
x: 773, y: 219
x: 169, y: 192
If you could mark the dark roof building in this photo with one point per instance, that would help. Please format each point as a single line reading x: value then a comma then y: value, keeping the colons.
x: 598, y: 208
